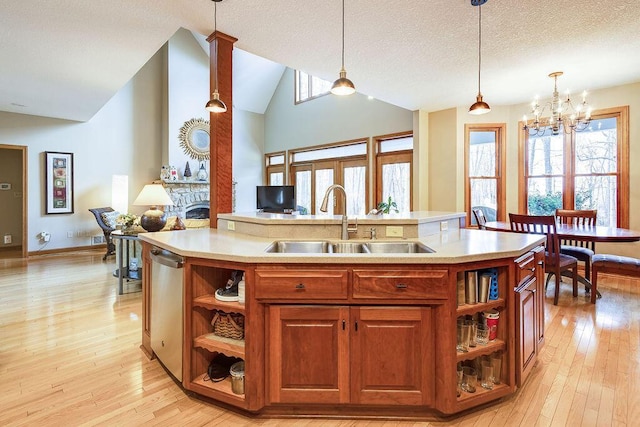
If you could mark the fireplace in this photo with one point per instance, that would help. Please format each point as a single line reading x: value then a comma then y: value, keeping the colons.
x: 190, y: 199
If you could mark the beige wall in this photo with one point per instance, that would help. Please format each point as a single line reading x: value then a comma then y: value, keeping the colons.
x: 11, y: 200
x: 446, y: 154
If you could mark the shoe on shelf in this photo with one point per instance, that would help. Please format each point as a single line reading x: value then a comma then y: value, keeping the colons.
x: 230, y: 292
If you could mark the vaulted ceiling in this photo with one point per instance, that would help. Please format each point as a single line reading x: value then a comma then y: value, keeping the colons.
x: 67, y: 58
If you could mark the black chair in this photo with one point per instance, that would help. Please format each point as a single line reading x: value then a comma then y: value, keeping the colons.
x: 555, y: 262
x: 111, y: 247
x: 481, y: 220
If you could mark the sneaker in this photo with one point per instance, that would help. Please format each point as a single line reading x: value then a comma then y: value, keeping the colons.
x: 230, y: 291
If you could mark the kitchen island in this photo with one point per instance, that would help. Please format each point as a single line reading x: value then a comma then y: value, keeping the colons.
x: 351, y: 332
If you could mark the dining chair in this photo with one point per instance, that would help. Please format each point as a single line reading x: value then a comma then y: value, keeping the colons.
x: 481, y: 220
x: 580, y: 249
x: 555, y: 262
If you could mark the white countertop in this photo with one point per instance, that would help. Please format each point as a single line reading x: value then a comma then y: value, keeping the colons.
x: 417, y: 217
x: 451, y: 247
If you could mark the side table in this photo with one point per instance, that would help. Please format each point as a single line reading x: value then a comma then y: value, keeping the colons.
x: 127, y: 240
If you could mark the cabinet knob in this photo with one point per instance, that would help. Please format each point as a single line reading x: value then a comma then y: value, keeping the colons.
x: 401, y: 286
x: 300, y: 286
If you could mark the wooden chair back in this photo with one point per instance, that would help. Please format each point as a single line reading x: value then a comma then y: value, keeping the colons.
x: 481, y: 220
x: 539, y: 224
x: 580, y: 218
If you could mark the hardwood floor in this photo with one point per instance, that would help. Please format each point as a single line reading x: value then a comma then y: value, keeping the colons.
x: 69, y: 356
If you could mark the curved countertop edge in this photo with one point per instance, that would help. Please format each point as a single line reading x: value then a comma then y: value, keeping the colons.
x: 451, y: 247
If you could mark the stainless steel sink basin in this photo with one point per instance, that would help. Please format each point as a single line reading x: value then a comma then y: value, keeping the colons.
x: 299, y: 247
x: 346, y: 247
x: 396, y: 248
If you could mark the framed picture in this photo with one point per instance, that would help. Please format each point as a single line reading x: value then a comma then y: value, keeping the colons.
x: 59, y: 182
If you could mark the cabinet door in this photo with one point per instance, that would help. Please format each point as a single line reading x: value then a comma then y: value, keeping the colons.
x: 392, y: 359
x: 527, y: 336
x: 308, y: 354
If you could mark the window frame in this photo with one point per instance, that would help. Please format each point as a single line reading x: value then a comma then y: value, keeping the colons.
x: 275, y: 167
x: 568, y: 197
x: 500, y: 130
x: 391, y: 157
x: 297, y: 99
x: 336, y: 163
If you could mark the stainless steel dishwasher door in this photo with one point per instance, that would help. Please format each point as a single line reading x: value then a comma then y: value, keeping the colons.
x: 167, y: 284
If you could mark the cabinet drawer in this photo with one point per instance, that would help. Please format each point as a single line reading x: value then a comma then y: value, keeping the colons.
x: 526, y: 268
x: 301, y: 284
x: 400, y: 284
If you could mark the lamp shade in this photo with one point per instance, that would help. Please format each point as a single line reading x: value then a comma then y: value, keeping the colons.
x: 153, y: 195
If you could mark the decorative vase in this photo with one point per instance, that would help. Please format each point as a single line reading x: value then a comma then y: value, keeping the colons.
x: 178, y: 225
x: 202, y: 173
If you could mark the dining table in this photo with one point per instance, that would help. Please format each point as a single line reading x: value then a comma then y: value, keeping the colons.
x: 595, y: 233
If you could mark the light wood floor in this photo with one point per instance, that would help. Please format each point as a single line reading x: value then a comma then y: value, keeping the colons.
x: 69, y: 356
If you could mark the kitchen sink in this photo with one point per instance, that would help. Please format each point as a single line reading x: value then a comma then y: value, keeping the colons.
x: 299, y: 247
x: 346, y: 247
x: 397, y: 248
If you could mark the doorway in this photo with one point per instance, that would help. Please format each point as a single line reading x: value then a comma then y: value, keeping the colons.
x: 13, y: 200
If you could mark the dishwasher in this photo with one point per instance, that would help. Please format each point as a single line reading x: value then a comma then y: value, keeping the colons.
x: 167, y: 289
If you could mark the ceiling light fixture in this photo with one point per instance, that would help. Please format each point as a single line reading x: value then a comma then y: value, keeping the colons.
x: 343, y: 86
x: 479, y: 107
x: 563, y: 114
x: 215, y: 104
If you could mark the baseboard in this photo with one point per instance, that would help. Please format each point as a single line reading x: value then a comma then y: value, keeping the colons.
x: 97, y: 248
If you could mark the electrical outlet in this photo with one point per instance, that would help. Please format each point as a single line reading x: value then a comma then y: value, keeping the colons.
x: 7, y: 239
x: 231, y: 225
x: 96, y: 240
x: 444, y: 225
x: 394, y: 231
x: 69, y: 234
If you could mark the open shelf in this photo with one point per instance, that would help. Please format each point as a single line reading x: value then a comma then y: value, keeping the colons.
x: 481, y: 392
x: 223, y: 386
x: 218, y: 344
x: 210, y: 302
x: 481, y: 306
x: 481, y: 350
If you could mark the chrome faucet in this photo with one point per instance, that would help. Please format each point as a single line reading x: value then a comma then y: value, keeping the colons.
x: 345, y: 222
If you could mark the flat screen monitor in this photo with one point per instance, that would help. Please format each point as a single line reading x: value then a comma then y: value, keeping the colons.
x: 276, y: 198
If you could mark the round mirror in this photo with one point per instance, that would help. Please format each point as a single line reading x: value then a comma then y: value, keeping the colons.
x: 194, y: 139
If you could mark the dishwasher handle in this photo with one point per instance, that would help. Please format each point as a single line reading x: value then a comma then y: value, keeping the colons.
x: 167, y: 258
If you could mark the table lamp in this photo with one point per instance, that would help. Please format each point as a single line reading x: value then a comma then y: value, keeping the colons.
x: 153, y: 195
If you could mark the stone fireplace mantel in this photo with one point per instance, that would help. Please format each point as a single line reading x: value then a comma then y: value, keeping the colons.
x: 187, y: 196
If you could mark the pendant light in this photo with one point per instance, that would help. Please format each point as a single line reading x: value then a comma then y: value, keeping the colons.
x: 343, y: 86
x: 215, y: 104
x: 479, y: 107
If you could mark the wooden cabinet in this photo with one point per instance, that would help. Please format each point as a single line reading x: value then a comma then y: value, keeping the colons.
x: 358, y: 355
x: 529, y: 313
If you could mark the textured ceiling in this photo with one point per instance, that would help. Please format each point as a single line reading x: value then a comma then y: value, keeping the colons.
x: 67, y: 58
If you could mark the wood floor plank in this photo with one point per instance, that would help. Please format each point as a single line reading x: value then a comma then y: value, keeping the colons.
x: 69, y: 355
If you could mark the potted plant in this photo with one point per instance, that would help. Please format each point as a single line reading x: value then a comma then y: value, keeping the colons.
x: 388, y: 206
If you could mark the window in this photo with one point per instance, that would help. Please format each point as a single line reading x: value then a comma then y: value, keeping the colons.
x: 484, y: 162
x: 275, y: 167
x: 313, y: 170
x: 308, y: 87
x: 581, y: 170
x: 394, y: 166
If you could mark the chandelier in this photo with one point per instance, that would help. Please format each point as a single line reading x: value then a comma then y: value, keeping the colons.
x: 563, y: 114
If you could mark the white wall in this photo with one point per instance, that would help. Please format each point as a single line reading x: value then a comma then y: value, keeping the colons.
x: 187, y: 92
x: 327, y: 119
x: 124, y: 137
x: 248, y: 157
